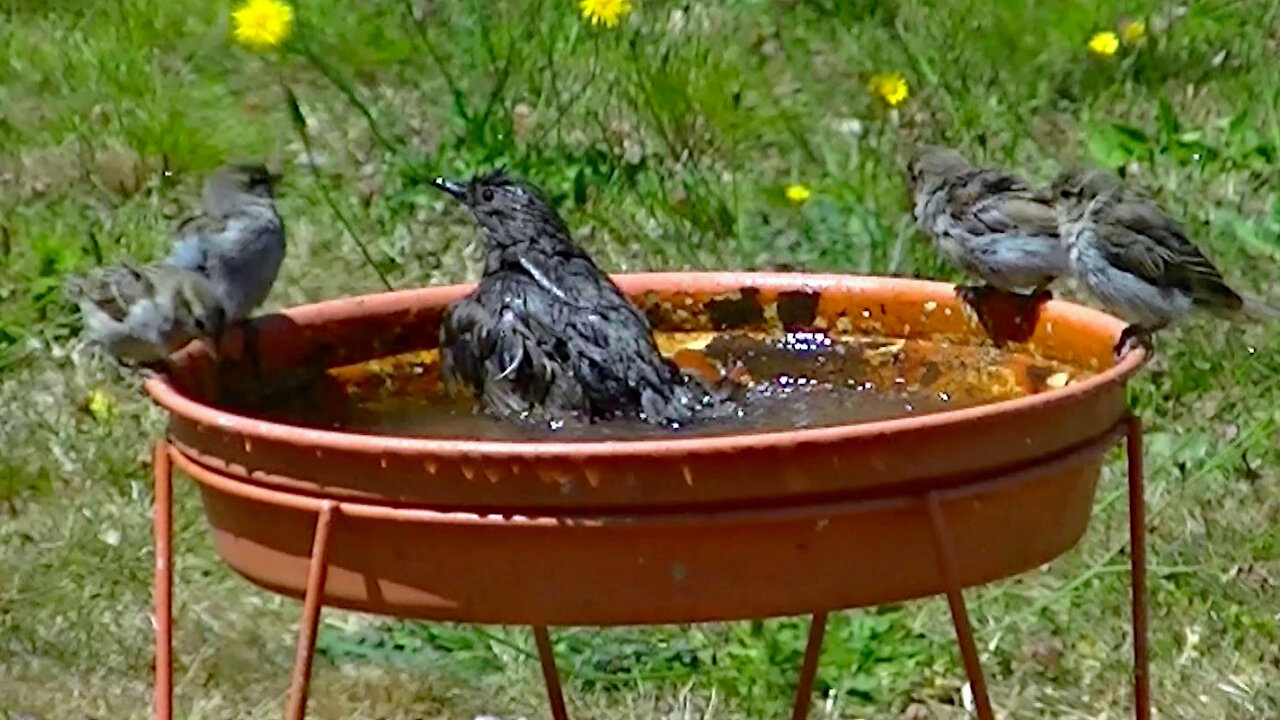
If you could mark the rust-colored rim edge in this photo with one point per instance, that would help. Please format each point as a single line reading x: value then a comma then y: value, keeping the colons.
x: 166, y: 395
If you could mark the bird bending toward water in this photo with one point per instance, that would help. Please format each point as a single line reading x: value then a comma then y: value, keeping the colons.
x: 547, y: 335
x: 238, y: 242
x: 141, y: 316
x: 988, y: 222
x: 1136, y: 259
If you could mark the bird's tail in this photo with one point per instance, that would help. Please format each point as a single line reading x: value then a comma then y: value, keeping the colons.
x: 1259, y: 310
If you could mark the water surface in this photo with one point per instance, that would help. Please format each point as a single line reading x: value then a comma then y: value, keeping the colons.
x: 799, y: 380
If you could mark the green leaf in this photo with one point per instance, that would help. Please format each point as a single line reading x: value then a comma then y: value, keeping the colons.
x: 1107, y: 149
x: 1115, y: 144
x: 580, y: 187
x: 1134, y: 136
x: 295, y: 110
x: 1252, y: 235
x: 1166, y: 120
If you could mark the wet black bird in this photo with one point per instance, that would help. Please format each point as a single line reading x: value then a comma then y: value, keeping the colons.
x: 546, y: 335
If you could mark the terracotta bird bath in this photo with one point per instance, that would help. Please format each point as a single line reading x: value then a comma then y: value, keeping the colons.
x: 672, y: 529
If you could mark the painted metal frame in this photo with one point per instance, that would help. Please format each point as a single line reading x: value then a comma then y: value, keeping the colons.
x: 328, y: 517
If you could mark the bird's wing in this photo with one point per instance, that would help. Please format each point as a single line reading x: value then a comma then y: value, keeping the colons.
x: 540, y: 271
x: 518, y: 373
x: 968, y: 188
x: 113, y: 290
x: 618, y: 360
x: 461, y: 333
x: 191, y: 246
x: 491, y: 348
x: 1138, y: 237
x: 570, y: 277
x: 989, y: 201
x: 1019, y: 212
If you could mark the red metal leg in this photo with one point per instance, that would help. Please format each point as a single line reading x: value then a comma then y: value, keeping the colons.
x: 809, y: 668
x: 1138, y: 570
x: 311, y: 603
x: 959, y: 615
x: 163, y: 518
x: 550, y: 675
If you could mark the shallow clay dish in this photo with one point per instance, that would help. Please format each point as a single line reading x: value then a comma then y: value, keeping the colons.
x: 668, y: 530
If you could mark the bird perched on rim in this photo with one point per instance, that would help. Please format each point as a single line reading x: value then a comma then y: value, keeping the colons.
x: 546, y: 335
x: 142, y: 315
x: 238, y: 242
x: 1135, y: 258
x: 988, y: 222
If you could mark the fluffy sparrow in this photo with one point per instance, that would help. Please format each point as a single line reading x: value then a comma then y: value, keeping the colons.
x: 988, y: 222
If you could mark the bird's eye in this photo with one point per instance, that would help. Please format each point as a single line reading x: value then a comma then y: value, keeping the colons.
x: 200, y: 325
x: 486, y: 195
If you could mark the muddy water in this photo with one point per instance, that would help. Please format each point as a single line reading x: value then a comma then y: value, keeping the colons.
x: 798, y: 380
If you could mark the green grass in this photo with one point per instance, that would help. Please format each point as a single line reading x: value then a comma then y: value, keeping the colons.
x: 667, y: 143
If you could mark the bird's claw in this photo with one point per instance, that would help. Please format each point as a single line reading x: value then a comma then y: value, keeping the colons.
x: 971, y: 294
x: 155, y: 369
x: 1133, y: 337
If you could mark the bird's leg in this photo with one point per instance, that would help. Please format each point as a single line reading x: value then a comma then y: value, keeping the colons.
x: 213, y: 380
x: 249, y: 335
x: 214, y: 342
x: 1131, y: 338
x: 1006, y: 316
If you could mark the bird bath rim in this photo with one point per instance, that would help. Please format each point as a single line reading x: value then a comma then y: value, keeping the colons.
x: 163, y: 391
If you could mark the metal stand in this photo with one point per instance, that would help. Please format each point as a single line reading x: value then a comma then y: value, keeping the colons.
x: 1138, y: 570
x: 944, y: 550
x: 163, y: 515
x: 310, y: 613
x: 946, y: 554
x: 809, y: 667
x: 550, y: 675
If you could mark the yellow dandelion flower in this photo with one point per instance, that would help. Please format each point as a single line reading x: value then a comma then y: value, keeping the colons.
x: 262, y: 24
x: 605, y: 12
x: 889, y: 87
x: 1104, y: 44
x: 100, y: 405
x: 798, y: 193
x: 1133, y: 31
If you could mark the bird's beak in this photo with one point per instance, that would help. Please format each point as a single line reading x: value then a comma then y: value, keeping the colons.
x: 454, y: 188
